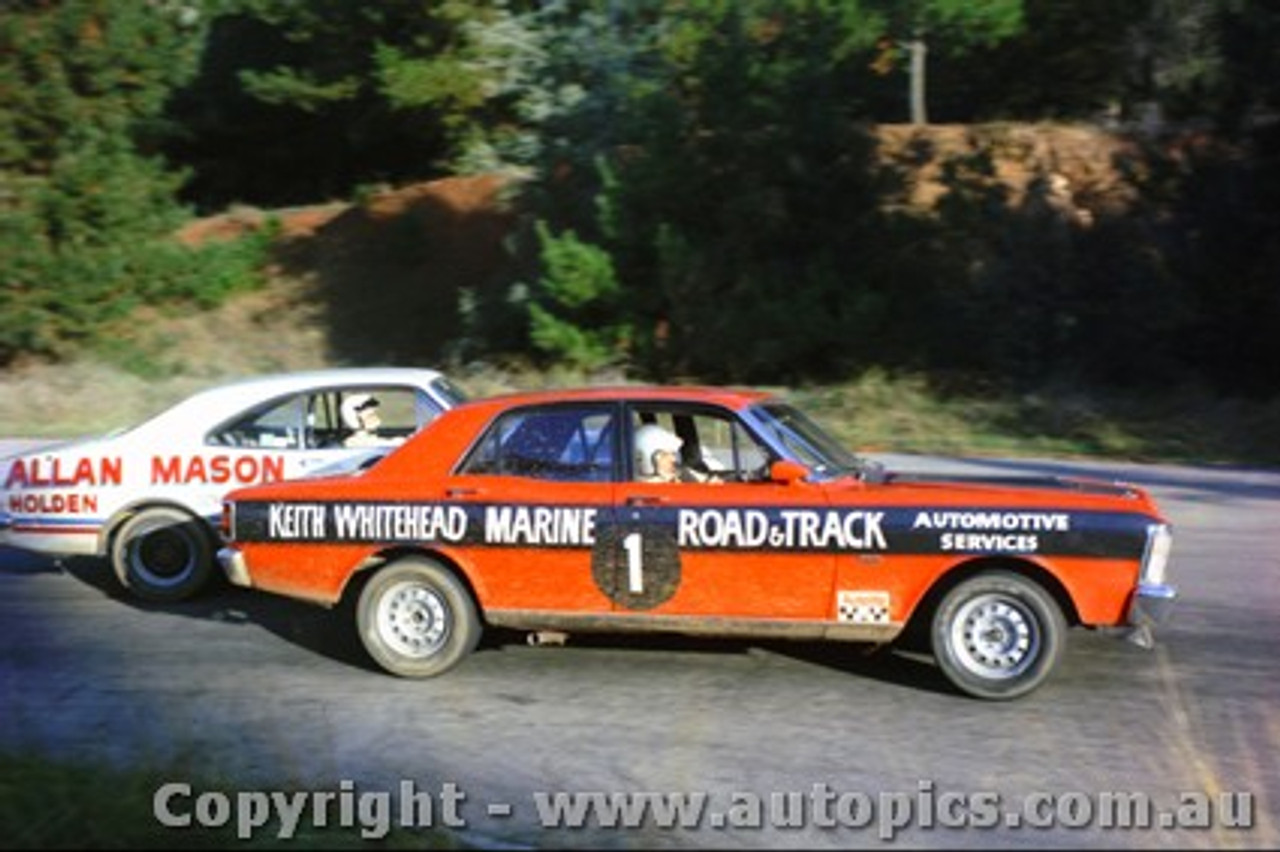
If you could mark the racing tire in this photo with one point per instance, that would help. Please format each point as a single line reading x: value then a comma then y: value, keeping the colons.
x: 416, y: 619
x: 998, y: 635
x: 163, y: 554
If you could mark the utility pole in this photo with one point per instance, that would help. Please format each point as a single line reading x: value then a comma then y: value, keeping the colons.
x: 918, y: 50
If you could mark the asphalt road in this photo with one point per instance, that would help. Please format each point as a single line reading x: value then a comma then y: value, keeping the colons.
x: 836, y: 749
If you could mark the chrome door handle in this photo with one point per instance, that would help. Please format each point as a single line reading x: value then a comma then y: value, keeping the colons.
x: 462, y: 492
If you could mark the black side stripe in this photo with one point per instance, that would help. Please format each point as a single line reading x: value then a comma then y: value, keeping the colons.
x: 804, y: 529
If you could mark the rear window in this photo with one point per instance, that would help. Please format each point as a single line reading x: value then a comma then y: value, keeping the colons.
x: 563, y: 443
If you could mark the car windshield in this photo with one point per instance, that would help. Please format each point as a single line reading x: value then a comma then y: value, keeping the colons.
x: 449, y: 391
x: 809, y: 443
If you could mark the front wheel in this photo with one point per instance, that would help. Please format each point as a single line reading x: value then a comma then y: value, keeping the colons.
x: 163, y: 554
x: 998, y: 635
x: 416, y: 619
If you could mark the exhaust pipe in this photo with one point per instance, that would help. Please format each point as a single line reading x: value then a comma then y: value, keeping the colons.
x: 542, y: 638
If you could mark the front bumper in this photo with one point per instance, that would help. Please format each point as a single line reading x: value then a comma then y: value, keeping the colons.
x: 234, y: 567
x: 1151, y: 605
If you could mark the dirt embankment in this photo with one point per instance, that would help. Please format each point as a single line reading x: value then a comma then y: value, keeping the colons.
x: 375, y: 282
x: 1079, y: 171
x: 367, y: 282
x: 379, y: 280
x: 456, y: 197
x: 1085, y: 169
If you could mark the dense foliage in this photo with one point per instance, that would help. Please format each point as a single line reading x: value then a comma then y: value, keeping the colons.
x: 700, y: 192
x: 87, y: 206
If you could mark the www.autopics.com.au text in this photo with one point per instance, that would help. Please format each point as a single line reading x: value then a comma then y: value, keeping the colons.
x: 376, y: 812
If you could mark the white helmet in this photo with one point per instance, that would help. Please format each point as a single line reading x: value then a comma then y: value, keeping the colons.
x: 353, y: 405
x: 649, y: 439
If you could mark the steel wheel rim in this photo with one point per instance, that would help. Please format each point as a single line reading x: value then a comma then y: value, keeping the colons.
x: 996, y: 637
x: 163, y: 556
x: 414, y: 620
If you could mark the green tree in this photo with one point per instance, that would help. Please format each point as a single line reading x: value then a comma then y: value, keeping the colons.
x: 472, y: 81
x: 86, y: 207
x: 298, y: 101
x: 104, y: 67
x: 1214, y: 58
x: 1070, y: 61
x: 714, y: 151
x: 954, y: 26
x: 572, y: 316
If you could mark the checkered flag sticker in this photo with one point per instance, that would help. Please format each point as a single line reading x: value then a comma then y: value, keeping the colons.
x: 862, y: 607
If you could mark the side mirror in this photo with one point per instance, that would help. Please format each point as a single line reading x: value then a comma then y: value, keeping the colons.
x: 787, y: 472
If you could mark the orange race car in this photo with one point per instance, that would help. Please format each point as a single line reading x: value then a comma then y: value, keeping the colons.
x: 697, y: 510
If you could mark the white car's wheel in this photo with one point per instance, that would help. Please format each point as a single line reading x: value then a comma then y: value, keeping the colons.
x: 998, y: 635
x: 163, y: 554
x: 416, y: 619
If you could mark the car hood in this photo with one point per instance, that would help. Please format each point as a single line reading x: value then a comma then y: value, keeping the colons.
x: 987, y: 482
x: 994, y: 489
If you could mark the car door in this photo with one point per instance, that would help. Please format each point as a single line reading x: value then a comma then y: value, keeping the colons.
x: 538, y: 488
x: 730, y: 546
x: 304, y: 432
x: 287, y: 437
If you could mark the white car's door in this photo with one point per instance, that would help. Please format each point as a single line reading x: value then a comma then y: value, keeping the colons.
x: 306, y: 432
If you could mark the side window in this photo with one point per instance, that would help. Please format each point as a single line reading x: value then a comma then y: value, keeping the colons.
x: 324, y: 420
x: 401, y: 412
x: 711, y: 445
x: 277, y: 426
x: 315, y: 419
x: 562, y: 444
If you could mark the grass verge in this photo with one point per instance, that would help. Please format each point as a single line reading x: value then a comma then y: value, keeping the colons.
x: 53, y: 805
x: 876, y: 412
x: 909, y: 414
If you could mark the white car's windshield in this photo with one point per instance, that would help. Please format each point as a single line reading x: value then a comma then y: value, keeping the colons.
x: 449, y: 391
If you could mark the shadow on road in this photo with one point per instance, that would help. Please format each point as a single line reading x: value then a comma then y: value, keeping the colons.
x: 15, y: 561
x: 884, y: 664
x: 327, y: 632
x: 330, y: 633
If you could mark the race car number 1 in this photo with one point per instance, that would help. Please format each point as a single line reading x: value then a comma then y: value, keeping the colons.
x: 637, y: 567
x: 634, y: 545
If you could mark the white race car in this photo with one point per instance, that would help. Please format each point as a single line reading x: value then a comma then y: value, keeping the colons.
x: 149, y: 497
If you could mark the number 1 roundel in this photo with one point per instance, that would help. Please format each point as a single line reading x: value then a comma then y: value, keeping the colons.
x: 637, y: 566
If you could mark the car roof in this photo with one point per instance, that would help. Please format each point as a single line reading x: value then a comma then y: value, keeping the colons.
x: 286, y: 382
x: 734, y: 398
x: 227, y: 399
x: 437, y: 446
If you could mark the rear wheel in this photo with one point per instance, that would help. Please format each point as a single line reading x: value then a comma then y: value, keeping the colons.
x: 416, y: 618
x: 163, y: 554
x: 998, y: 635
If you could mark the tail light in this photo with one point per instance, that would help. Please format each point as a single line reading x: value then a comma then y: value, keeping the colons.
x: 227, y: 525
